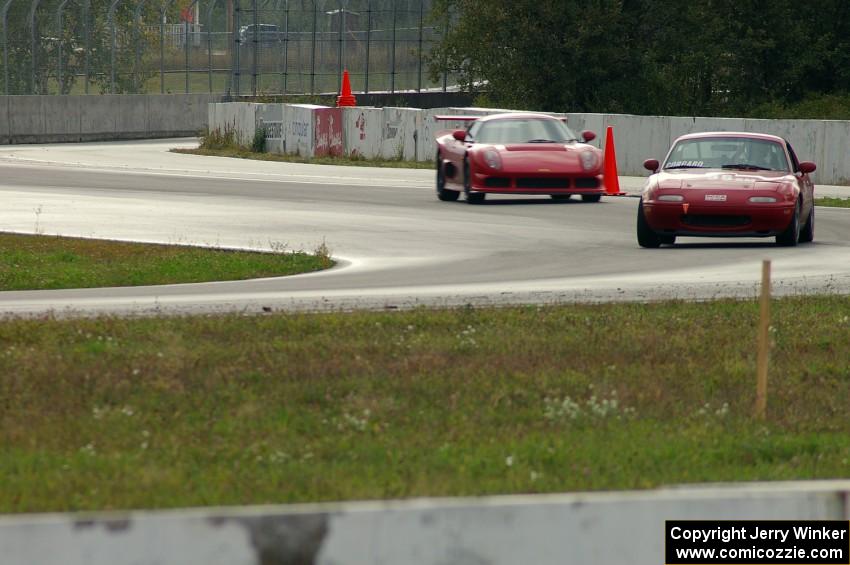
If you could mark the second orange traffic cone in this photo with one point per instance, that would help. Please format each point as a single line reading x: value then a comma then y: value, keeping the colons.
x: 609, y: 173
x: 346, y: 98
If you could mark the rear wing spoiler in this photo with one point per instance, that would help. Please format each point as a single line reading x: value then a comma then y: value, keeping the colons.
x: 457, y: 118
x: 473, y: 118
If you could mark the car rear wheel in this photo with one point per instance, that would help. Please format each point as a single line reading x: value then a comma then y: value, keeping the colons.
x: 444, y: 193
x: 645, y: 235
x: 591, y: 197
x: 807, y: 234
x: 791, y: 235
x: 471, y: 197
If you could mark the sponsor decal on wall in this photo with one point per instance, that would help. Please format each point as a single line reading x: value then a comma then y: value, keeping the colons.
x: 328, y: 132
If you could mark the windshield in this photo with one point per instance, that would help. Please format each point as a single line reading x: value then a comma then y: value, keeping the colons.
x: 727, y: 153
x: 523, y: 130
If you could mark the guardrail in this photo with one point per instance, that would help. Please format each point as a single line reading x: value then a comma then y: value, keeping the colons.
x: 588, y: 528
x: 45, y: 119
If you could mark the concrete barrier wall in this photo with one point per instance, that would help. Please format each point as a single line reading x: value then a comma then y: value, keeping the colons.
x: 328, y: 132
x: 400, y: 137
x: 410, y: 133
x: 270, y: 117
x: 363, y: 136
x: 298, y: 128
x: 47, y: 119
x: 587, y: 528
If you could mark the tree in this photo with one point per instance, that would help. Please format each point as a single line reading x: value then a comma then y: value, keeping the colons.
x: 708, y: 57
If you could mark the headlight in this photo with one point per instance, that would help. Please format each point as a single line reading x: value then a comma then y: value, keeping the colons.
x: 762, y: 199
x: 589, y: 160
x: 671, y: 198
x: 492, y: 158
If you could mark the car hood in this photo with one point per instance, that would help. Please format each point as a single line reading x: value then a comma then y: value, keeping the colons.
x: 721, y: 179
x: 543, y: 157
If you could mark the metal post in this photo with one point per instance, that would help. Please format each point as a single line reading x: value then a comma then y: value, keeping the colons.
x: 87, y: 33
x: 237, y: 18
x: 137, y: 62
x: 111, y: 21
x: 255, y: 51
x: 340, y: 20
x: 5, y: 11
x: 445, y: 57
x: 368, y: 38
x: 285, y: 75
x: 392, y: 56
x: 162, y: 10
x: 186, y: 38
x: 209, y: 40
x: 59, y: 32
x: 763, y: 342
x: 419, y: 71
x: 313, y: 54
x: 33, y: 32
x: 186, y: 51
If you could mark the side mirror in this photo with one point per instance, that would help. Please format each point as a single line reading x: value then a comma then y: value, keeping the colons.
x: 807, y: 167
x: 588, y: 135
x: 459, y: 134
x: 651, y: 165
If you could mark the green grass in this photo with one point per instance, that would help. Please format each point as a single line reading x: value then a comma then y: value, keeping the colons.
x: 833, y: 202
x: 219, y: 143
x: 351, y: 160
x: 35, y: 262
x: 120, y: 413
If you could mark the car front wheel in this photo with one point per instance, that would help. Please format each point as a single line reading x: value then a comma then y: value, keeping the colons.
x: 471, y: 197
x: 807, y: 234
x: 443, y: 193
x: 645, y: 235
x: 591, y: 197
x: 791, y: 235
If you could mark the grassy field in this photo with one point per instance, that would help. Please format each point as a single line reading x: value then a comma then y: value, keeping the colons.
x: 113, y: 413
x: 833, y: 202
x: 34, y: 262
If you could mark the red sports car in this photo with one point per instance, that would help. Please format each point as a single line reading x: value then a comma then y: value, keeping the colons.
x: 728, y: 184
x: 517, y: 153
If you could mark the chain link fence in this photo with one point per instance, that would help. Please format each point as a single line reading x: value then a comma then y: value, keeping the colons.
x: 232, y: 47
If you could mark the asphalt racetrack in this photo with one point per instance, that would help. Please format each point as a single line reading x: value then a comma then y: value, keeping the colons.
x: 398, y: 246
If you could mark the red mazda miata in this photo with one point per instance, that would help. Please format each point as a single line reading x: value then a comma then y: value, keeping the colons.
x: 517, y: 153
x: 727, y: 184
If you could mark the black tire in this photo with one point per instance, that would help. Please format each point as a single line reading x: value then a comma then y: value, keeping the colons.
x: 471, y: 197
x: 560, y: 196
x: 807, y: 234
x: 667, y: 239
x: 591, y: 197
x: 791, y: 235
x: 645, y: 235
x: 443, y: 193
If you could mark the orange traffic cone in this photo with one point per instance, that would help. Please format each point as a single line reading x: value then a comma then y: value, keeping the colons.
x: 609, y: 174
x: 346, y: 98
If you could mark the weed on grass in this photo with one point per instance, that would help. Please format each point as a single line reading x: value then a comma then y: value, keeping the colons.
x: 114, y: 413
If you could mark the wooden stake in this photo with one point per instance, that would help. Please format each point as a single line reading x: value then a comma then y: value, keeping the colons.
x: 763, y: 343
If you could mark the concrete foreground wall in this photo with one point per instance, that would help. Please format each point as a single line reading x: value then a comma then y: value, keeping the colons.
x: 410, y: 133
x: 47, y: 119
x: 589, y: 528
